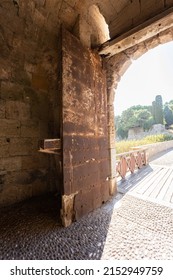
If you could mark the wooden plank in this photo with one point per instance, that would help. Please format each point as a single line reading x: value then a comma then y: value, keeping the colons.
x: 169, y: 192
x: 141, y: 179
x: 147, y: 189
x: 50, y: 144
x: 160, y: 184
x: 134, y: 179
x: 172, y: 198
x: 137, y: 181
x: 146, y: 182
x: 47, y: 151
x: 166, y: 186
x: 138, y: 34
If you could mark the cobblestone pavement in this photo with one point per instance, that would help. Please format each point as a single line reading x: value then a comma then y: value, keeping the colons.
x: 124, y: 228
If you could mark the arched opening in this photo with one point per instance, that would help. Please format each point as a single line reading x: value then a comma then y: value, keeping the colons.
x: 147, y: 76
x: 117, y: 66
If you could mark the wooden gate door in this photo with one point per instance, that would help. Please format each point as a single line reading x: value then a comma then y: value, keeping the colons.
x: 84, y: 131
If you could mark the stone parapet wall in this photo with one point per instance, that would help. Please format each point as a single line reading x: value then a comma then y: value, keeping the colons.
x: 156, y: 148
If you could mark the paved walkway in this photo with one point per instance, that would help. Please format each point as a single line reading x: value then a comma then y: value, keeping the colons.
x: 164, y: 159
x: 153, y: 182
x: 127, y: 227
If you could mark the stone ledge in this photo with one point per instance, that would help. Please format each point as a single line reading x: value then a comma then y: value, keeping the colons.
x: 155, y: 148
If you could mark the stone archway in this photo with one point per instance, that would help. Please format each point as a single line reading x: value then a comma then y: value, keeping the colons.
x: 116, y: 67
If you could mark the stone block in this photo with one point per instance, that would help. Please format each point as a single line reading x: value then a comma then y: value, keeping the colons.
x: 150, y: 8
x: 5, y: 52
x: 30, y: 67
x: 2, y: 109
x: 11, y: 91
x: 44, y: 106
x: 4, y: 147
x: 39, y: 187
x: 10, y: 163
x: 43, y: 129
x: 30, y: 162
x: 25, y: 177
x: 67, y: 14
x: 9, y: 17
x: 12, y: 194
x: 72, y: 3
x: 38, y: 18
x: 29, y: 129
x: 40, y: 81
x: 2, y: 179
x: 52, y: 5
x: 7, y: 33
x: 35, y: 144
x: 5, y: 70
x: 9, y: 128
x: 40, y: 3
x: 67, y: 210
x: 85, y: 33
x: 169, y: 3
x: 35, y: 161
x: 165, y: 36
x: 21, y: 146
x: 17, y: 110
x: 19, y: 75
x: 139, y: 51
x: 122, y: 23
x: 152, y: 42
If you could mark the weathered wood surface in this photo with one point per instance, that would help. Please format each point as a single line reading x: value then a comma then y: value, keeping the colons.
x: 153, y: 183
x: 138, y: 34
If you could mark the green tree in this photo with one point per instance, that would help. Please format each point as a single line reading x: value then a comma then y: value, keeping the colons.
x: 120, y: 132
x: 145, y: 119
x: 135, y: 116
x: 157, y: 110
x: 168, y: 115
x: 170, y: 104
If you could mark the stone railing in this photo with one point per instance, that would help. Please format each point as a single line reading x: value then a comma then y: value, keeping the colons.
x: 128, y: 162
x: 155, y: 148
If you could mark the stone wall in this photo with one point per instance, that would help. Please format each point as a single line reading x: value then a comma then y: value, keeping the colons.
x: 134, y: 132
x: 139, y: 133
x: 28, y: 99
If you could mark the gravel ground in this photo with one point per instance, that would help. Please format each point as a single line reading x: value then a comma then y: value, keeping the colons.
x: 124, y: 228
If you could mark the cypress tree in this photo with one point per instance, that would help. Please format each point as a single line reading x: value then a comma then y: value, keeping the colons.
x: 157, y: 110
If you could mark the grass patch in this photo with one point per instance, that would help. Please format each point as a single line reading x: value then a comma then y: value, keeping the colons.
x: 126, y: 145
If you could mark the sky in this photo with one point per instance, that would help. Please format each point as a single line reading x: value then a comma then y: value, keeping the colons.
x: 148, y: 76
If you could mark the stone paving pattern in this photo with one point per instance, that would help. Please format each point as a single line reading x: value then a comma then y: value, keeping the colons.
x: 124, y: 228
